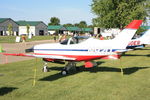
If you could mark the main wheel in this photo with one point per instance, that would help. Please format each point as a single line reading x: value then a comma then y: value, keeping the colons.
x: 64, y: 72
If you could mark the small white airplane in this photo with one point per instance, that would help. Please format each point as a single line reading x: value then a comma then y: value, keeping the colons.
x: 140, y: 42
x: 137, y: 43
x: 86, y: 51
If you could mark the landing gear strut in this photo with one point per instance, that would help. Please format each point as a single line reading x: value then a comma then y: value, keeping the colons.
x: 45, y: 68
x: 68, y: 67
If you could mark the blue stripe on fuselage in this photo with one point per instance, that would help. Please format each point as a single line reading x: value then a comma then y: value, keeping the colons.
x: 108, y: 50
x: 62, y: 49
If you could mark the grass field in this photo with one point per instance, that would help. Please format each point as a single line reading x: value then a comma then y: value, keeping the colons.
x: 11, y: 39
x: 104, y: 82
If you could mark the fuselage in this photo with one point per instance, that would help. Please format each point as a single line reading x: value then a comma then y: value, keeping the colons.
x: 87, y: 50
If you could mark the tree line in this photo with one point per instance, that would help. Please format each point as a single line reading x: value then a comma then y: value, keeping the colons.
x: 81, y: 24
x: 113, y: 13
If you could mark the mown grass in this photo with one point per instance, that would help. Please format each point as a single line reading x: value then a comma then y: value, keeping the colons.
x: 12, y: 39
x: 104, y: 82
x: 7, y: 39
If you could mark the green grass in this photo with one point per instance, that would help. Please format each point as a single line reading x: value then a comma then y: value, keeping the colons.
x: 11, y: 39
x: 104, y: 82
x: 7, y: 39
x: 37, y: 38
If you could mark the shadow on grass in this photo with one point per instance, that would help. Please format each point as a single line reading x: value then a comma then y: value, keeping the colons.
x: 135, y: 55
x: 59, y: 75
x: 126, y: 71
x: 141, y: 49
x: 6, y: 90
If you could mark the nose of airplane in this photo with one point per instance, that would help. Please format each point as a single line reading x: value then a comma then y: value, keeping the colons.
x: 29, y: 50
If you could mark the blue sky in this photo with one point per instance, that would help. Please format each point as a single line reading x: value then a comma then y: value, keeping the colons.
x: 68, y: 11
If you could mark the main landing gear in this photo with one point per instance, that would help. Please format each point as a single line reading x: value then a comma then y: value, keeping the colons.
x: 68, y: 67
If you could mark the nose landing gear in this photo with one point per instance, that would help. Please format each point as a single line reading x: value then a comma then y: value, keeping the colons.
x: 45, y: 68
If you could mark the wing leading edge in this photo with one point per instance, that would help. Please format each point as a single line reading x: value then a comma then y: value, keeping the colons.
x: 41, y: 56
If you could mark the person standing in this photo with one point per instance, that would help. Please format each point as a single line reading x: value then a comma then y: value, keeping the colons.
x: 23, y: 38
x: 101, y: 37
x: 55, y: 38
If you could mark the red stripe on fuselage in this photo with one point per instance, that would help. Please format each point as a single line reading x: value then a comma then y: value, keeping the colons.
x: 78, y: 57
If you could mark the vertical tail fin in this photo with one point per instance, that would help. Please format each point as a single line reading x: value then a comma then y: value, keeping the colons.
x: 124, y: 37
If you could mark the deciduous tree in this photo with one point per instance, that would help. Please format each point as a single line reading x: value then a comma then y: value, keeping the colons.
x: 10, y: 29
x: 28, y: 28
x: 82, y: 24
x: 118, y: 13
x: 54, y: 21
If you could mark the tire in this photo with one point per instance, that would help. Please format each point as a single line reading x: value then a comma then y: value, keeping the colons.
x: 45, y: 69
x: 64, y: 72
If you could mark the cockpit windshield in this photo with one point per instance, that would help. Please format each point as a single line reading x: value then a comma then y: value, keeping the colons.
x: 74, y: 40
x: 65, y: 42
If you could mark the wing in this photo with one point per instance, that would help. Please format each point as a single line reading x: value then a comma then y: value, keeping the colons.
x: 41, y: 56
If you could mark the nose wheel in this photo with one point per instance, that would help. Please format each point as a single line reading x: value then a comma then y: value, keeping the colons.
x: 45, y: 68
